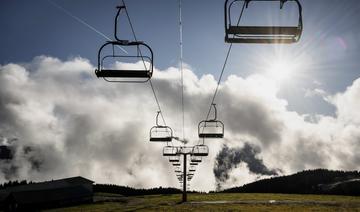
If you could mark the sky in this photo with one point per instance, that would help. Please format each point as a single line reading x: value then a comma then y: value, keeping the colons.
x: 285, y: 107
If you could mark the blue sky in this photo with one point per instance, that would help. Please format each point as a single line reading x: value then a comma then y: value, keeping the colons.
x: 330, y: 39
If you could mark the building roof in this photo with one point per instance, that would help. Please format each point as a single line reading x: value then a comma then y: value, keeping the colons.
x: 54, y: 184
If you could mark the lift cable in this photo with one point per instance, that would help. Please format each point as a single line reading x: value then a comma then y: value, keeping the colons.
x: 223, y: 68
x: 181, y: 69
x: 82, y: 22
x: 151, y: 84
x: 221, y: 75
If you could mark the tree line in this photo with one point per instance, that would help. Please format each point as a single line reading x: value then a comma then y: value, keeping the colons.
x: 319, y: 181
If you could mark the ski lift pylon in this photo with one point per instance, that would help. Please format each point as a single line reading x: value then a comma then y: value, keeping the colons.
x: 115, y: 74
x: 261, y: 34
x: 211, y: 128
x: 160, y: 133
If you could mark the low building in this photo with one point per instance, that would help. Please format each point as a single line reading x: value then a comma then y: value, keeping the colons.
x: 50, y: 194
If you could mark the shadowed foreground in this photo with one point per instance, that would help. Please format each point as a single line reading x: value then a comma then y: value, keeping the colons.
x: 220, y: 202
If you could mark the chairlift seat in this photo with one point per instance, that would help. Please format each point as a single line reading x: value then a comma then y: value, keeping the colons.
x: 107, y: 73
x: 263, y: 34
x: 211, y: 135
x: 164, y: 139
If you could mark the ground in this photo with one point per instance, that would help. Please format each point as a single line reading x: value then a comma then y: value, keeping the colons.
x: 221, y: 202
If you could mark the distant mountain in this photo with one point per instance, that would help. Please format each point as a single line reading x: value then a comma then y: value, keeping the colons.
x: 319, y: 181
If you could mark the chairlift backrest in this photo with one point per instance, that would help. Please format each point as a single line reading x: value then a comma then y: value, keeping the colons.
x: 211, y: 128
x: 235, y: 33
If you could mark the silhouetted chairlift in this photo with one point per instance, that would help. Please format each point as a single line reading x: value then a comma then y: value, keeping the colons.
x: 200, y: 150
x: 176, y: 164
x: 174, y: 158
x: 195, y: 159
x: 160, y: 133
x: 169, y: 151
x: 115, y: 74
x: 260, y: 34
x: 211, y: 128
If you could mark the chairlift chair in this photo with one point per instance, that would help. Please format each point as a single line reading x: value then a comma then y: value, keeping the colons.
x: 195, y: 159
x: 235, y: 33
x: 211, y: 128
x: 169, y: 151
x: 176, y: 163
x: 115, y: 74
x: 192, y: 169
x: 200, y: 150
x: 175, y: 158
x: 160, y: 133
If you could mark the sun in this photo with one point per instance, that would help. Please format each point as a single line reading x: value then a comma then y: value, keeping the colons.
x: 280, y: 70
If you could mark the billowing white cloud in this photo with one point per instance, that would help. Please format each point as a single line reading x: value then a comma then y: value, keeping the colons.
x: 69, y: 123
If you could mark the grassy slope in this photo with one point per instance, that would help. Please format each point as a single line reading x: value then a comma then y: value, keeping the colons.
x: 171, y: 203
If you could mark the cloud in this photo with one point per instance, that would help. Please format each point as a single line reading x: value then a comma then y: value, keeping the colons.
x: 62, y: 121
x: 315, y: 92
x: 230, y: 158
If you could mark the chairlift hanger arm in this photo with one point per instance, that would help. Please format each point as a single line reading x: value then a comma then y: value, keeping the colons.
x: 122, y: 7
x: 215, y: 112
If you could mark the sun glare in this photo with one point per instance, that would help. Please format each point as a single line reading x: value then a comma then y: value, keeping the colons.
x: 280, y: 70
